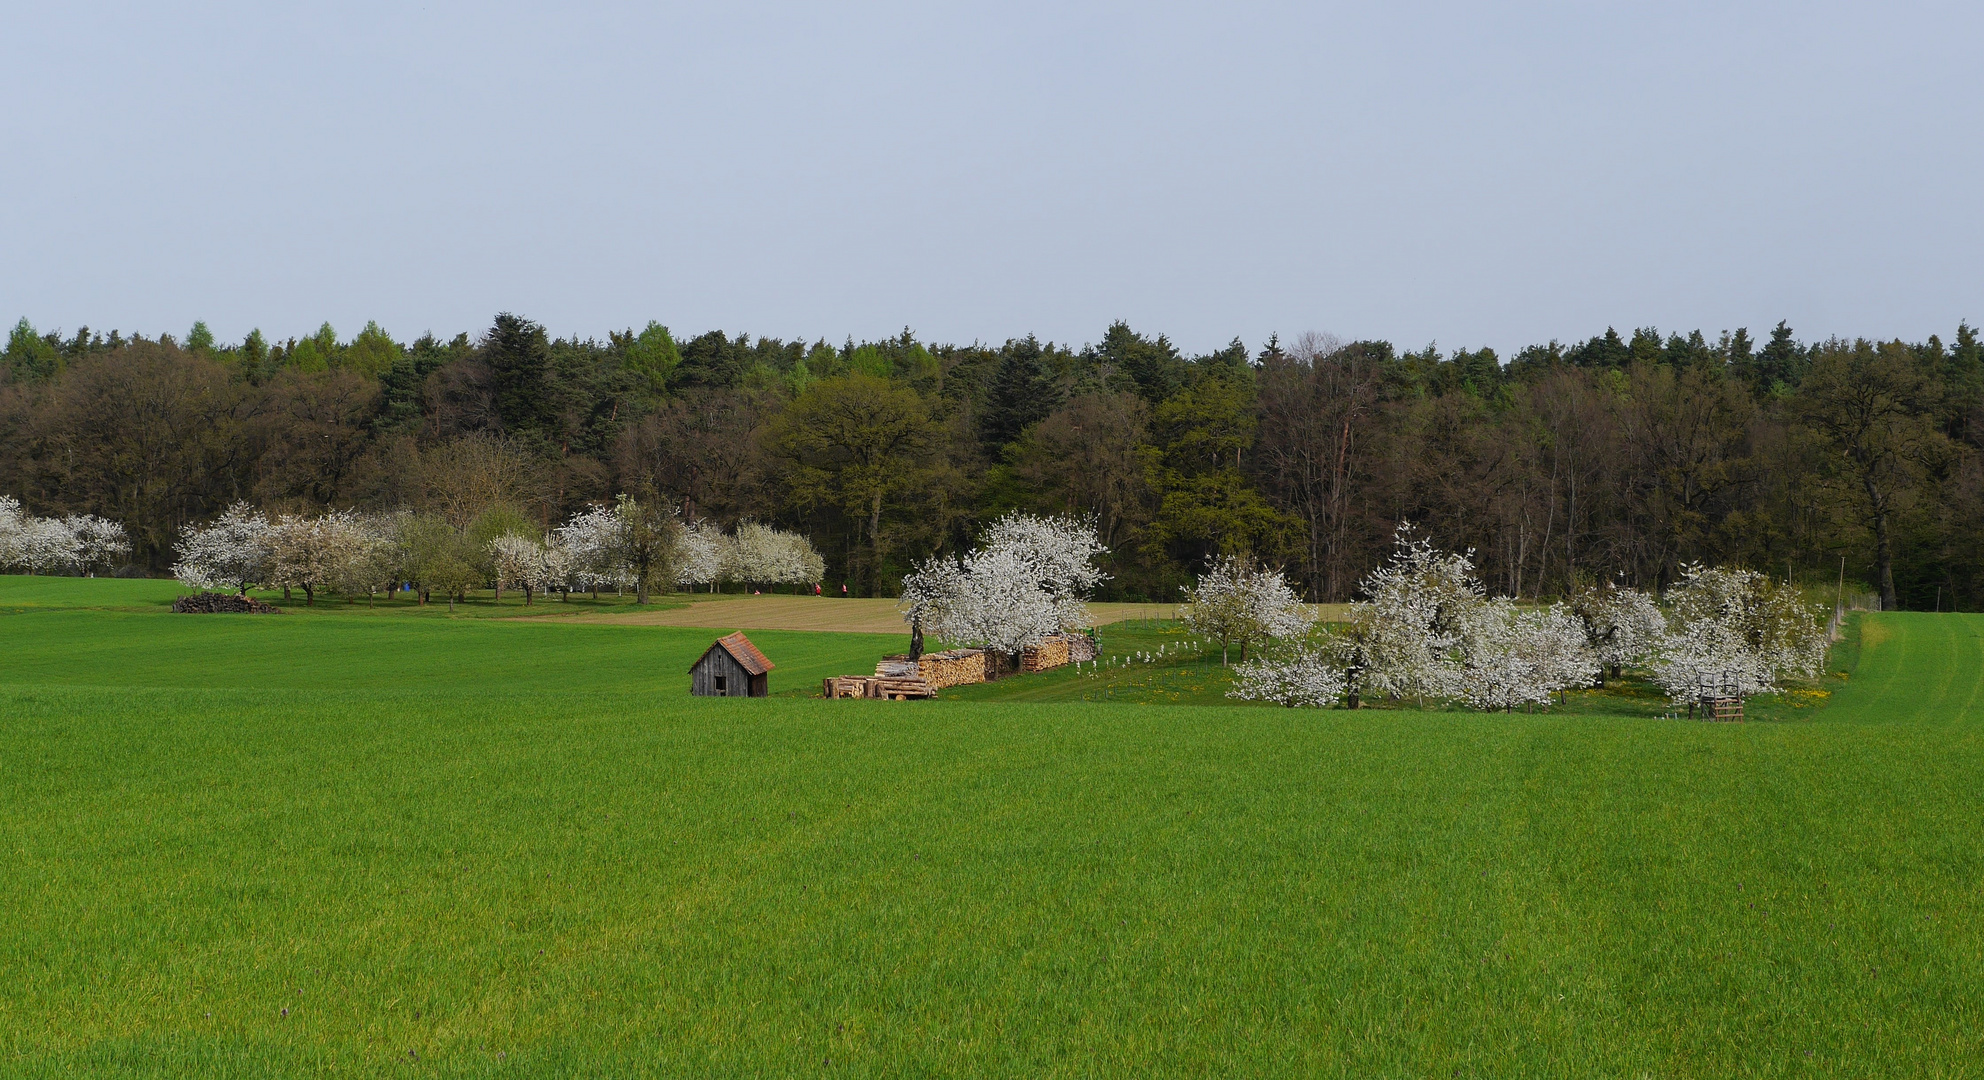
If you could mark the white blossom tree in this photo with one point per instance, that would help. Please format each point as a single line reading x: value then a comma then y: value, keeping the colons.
x: 553, y: 570
x: 592, y: 548
x: 100, y: 542
x: 530, y: 564
x: 705, y: 555
x: 1513, y: 656
x: 1235, y: 603
x: 371, y: 563
x: 768, y: 556
x: 1305, y: 677
x: 231, y: 553
x: 45, y: 544
x: 37, y: 544
x: 312, y: 553
x: 1405, y: 636
x: 516, y: 560
x: 11, y: 518
x: 1624, y: 627
x: 1029, y: 579
x: 801, y: 563
x: 1736, y: 633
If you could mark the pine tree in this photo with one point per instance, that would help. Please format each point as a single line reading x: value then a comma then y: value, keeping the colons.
x: 1020, y: 394
x: 1963, y: 382
x: 518, y: 356
x: 1781, y: 362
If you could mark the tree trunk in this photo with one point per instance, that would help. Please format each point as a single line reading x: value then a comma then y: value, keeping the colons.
x: 875, y: 543
x: 309, y: 594
x: 1884, y: 561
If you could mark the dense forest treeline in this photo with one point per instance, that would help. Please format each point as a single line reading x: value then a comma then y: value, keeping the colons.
x: 1621, y: 456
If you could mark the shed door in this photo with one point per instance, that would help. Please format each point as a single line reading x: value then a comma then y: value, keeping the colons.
x: 723, y: 686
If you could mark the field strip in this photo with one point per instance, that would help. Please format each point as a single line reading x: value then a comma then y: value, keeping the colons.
x: 853, y: 616
x: 858, y: 616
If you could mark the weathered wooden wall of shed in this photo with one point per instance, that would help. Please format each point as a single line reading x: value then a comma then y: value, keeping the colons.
x: 702, y: 679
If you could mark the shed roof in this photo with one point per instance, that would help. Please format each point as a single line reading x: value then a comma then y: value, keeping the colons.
x: 741, y: 650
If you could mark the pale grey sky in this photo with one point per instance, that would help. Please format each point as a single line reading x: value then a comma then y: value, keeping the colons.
x: 1461, y: 172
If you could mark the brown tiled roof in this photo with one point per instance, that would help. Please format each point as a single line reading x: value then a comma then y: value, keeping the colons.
x: 741, y: 650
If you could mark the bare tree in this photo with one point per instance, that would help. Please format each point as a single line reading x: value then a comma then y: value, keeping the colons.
x: 1318, y: 401
x: 1085, y: 457
x: 462, y: 478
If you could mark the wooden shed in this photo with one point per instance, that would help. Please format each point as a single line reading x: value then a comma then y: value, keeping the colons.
x: 731, y: 667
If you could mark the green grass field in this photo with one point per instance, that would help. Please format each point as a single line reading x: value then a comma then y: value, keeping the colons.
x: 327, y: 844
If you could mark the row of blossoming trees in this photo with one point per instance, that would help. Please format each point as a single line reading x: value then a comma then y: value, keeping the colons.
x: 628, y: 546
x: 79, y: 543
x: 1428, y: 631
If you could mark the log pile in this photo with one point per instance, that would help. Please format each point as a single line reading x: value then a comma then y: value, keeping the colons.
x: 953, y: 667
x: 882, y: 687
x: 1050, y: 653
x: 212, y: 603
x: 1056, y: 651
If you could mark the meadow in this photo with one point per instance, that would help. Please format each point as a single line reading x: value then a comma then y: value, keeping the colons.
x: 394, y: 843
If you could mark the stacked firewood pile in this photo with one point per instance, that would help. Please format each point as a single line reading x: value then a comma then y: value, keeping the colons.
x: 1050, y: 653
x: 212, y: 603
x: 1058, y: 650
x: 884, y: 687
x: 954, y: 667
